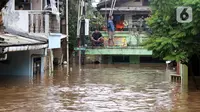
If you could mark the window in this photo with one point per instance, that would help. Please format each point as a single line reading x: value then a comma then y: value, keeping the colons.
x: 137, y: 0
x: 48, y: 2
x: 145, y: 2
x: 22, y: 4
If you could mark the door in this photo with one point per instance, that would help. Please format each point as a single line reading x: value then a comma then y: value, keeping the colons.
x: 37, y: 65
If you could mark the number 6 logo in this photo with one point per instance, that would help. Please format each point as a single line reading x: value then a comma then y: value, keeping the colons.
x: 184, y: 14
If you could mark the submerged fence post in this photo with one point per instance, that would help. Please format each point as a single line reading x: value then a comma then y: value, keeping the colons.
x: 184, y: 75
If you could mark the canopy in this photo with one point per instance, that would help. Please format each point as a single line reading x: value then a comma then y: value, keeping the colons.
x: 10, y: 43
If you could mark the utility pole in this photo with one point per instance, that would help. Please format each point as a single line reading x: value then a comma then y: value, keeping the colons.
x: 78, y: 30
x: 67, y: 36
x: 81, y: 31
x: 83, y: 35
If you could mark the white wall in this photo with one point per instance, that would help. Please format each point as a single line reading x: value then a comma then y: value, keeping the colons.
x: 16, y: 20
x: 23, y: 21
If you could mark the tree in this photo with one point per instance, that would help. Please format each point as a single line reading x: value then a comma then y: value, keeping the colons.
x: 96, y: 19
x: 73, y: 13
x: 73, y: 17
x: 171, y: 40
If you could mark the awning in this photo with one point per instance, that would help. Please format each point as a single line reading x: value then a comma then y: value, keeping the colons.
x: 127, y: 9
x: 23, y: 48
x: 11, y: 43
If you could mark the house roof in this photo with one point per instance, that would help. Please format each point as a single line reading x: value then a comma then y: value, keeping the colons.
x: 10, y: 43
x: 104, y: 3
x: 35, y: 36
x: 144, y: 8
x: 11, y: 40
x: 107, y: 3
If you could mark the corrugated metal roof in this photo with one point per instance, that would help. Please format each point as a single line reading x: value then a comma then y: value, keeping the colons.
x: 127, y: 9
x: 13, y: 43
x: 10, y: 40
x: 23, y: 48
x: 34, y: 36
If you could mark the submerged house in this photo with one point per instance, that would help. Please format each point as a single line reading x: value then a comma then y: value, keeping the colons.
x: 31, y: 27
x: 131, y: 31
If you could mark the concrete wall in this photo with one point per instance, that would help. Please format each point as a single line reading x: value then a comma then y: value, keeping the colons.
x: 17, y: 64
x: 36, y: 4
x: 17, y: 20
x: 57, y: 54
x: 20, y: 63
x: 131, y: 37
x: 23, y: 22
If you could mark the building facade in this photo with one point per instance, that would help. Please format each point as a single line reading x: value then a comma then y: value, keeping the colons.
x: 30, y: 26
x: 131, y: 32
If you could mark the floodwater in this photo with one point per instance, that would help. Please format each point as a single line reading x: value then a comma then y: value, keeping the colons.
x: 98, y: 88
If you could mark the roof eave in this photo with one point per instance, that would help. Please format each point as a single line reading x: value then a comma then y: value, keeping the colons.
x: 102, y: 4
x: 23, y: 48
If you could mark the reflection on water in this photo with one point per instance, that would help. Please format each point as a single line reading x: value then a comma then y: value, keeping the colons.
x: 101, y: 88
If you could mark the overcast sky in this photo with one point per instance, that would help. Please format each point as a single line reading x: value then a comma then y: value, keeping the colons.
x: 95, y: 2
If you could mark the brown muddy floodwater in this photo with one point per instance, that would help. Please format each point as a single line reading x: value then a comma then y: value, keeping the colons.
x: 98, y: 88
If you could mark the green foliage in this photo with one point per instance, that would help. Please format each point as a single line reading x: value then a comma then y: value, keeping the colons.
x: 73, y: 16
x: 171, y: 40
x: 96, y: 19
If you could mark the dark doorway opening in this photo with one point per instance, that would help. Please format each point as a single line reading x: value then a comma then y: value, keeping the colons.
x: 37, y: 65
x: 195, y: 65
x: 150, y: 59
x: 120, y: 59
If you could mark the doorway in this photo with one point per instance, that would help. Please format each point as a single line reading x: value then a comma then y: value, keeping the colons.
x: 120, y: 59
x: 37, y: 65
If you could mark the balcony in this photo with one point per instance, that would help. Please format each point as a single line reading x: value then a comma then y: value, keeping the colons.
x: 123, y: 39
x: 33, y: 21
x: 126, y: 43
x: 37, y: 22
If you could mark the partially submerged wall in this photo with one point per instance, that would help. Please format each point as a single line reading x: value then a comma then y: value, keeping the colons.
x: 16, y: 64
x: 20, y: 63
